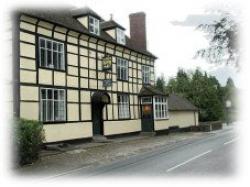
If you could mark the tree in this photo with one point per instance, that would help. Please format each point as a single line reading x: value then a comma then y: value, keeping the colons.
x: 223, y: 42
x: 180, y: 84
x: 202, y: 90
x: 161, y: 83
x: 230, y: 92
x: 230, y: 83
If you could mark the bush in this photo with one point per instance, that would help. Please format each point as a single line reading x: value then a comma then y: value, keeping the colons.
x: 29, y: 136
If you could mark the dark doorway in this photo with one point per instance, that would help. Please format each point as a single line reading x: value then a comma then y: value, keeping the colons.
x: 97, y: 118
x: 147, y: 117
x: 99, y: 100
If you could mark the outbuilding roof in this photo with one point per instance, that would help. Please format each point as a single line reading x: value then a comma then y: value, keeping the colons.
x: 66, y: 17
x: 178, y: 103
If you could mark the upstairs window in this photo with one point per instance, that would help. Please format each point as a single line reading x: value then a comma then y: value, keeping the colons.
x: 146, y: 74
x: 160, y: 108
x: 51, y: 54
x: 52, y: 104
x: 94, y: 25
x: 120, y: 36
x: 122, y: 69
x: 123, y: 106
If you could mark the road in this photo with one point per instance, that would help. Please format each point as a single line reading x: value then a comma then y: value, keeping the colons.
x: 213, y: 156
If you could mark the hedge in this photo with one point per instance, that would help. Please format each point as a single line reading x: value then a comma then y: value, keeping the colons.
x: 29, y: 136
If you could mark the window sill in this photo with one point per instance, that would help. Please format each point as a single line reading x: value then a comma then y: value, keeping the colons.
x: 121, y: 119
x: 161, y: 119
x: 53, y: 122
x: 123, y: 80
x: 47, y: 68
x: 120, y: 42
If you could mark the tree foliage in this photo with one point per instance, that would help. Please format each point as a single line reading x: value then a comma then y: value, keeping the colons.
x: 161, y: 83
x: 223, y: 42
x: 203, y: 91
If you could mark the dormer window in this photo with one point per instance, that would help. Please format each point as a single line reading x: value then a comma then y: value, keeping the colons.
x: 94, y: 25
x: 120, y: 36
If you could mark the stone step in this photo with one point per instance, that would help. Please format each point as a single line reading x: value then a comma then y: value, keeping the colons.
x: 100, y: 139
x: 148, y: 133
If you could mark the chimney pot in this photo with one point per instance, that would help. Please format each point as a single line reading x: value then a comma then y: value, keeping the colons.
x: 111, y: 16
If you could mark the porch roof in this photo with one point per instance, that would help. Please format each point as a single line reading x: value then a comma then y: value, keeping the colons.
x: 149, y: 90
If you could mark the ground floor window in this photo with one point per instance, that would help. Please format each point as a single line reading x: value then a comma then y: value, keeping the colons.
x: 160, y: 108
x: 52, y: 104
x: 123, y: 106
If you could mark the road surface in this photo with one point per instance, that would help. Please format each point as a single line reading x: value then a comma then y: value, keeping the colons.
x: 210, y: 156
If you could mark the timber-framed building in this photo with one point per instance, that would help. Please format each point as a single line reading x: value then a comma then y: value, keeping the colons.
x: 81, y: 75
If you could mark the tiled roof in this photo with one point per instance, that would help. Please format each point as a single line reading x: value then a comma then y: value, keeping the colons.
x: 150, y: 91
x: 110, y: 24
x: 66, y: 17
x: 85, y: 11
x: 178, y: 103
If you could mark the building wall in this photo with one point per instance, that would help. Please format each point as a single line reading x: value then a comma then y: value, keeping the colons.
x: 119, y: 127
x: 181, y: 119
x: 83, y: 76
x: 84, y: 20
x: 112, y: 33
x: 67, y: 131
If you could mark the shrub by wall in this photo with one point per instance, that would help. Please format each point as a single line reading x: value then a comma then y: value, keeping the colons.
x: 29, y: 136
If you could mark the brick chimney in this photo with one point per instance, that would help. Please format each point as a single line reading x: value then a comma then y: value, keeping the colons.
x: 138, y: 30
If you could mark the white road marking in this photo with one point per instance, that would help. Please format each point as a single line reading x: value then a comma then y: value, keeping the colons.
x: 62, y: 174
x: 231, y: 141
x: 189, y: 160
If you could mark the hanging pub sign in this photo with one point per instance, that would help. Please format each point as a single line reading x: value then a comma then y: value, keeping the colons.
x: 107, y: 82
x: 107, y: 63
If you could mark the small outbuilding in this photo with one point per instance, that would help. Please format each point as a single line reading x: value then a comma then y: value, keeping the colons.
x: 182, y: 114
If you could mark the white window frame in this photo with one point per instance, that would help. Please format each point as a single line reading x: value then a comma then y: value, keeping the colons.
x: 95, y: 25
x: 59, y: 54
x: 160, y: 108
x: 52, y: 100
x: 123, y: 106
x: 120, y: 35
x: 146, y: 74
x: 122, y: 69
x: 146, y: 100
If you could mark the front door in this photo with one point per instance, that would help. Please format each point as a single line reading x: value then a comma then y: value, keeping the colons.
x: 147, y: 117
x: 97, y: 118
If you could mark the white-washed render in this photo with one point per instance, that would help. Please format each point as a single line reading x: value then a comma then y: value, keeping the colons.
x: 81, y: 75
x: 181, y: 113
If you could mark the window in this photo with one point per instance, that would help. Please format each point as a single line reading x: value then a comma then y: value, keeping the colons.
x: 146, y: 100
x: 122, y: 69
x: 123, y: 106
x: 94, y: 27
x: 52, y: 104
x: 146, y: 106
x: 160, y: 108
x: 51, y: 54
x: 120, y: 36
x: 146, y: 74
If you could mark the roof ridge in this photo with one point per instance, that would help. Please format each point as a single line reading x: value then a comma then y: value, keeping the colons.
x: 65, y: 18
